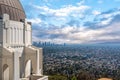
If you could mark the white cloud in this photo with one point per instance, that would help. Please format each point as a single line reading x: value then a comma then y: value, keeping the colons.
x: 109, y: 15
x: 106, y: 17
x: 105, y: 22
x: 35, y: 21
x: 72, y: 34
x: 81, y: 2
x: 64, y: 11
x: 62, y: 15
x: 95, y: 12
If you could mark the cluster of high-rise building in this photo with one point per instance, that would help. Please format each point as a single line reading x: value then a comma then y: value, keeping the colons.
x: 44, y: 44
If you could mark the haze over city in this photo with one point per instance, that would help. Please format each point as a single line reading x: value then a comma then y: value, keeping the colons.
x: 74, y: 21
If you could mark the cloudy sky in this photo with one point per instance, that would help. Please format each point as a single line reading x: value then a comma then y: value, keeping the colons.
x: 74, y: 21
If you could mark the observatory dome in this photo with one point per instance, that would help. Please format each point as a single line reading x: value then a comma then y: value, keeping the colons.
x: 13, y: 8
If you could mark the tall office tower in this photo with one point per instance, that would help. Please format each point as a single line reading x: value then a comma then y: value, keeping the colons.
x: 19, y: 60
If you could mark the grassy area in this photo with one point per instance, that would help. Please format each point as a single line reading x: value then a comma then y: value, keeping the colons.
x: 57, y: 77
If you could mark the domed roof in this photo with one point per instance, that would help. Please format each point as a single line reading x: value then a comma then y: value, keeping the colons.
x: 13, y: 8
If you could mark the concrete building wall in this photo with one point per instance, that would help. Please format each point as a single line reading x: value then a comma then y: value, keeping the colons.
x: 6, y: 65
x: 19, y: 60
x: 16, y: 33
x: 28, y: 34
x: 0, y: 62
x: 1, y: 32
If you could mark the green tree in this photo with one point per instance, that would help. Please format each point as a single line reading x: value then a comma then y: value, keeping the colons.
x: 74, y: 78
x: 57, y: 77
x: 85, y: 76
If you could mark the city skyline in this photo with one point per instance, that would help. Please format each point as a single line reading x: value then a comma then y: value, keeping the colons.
x: 84, y: 21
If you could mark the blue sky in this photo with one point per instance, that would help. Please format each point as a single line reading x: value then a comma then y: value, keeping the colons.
x: 74, y: 21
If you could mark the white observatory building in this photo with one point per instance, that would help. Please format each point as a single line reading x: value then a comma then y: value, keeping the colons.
x: 19, y: 60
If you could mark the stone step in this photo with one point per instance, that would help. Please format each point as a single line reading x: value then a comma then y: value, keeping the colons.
x: 24, y: 78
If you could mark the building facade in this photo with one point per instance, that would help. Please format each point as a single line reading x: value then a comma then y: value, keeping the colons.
x: 19, y: 60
